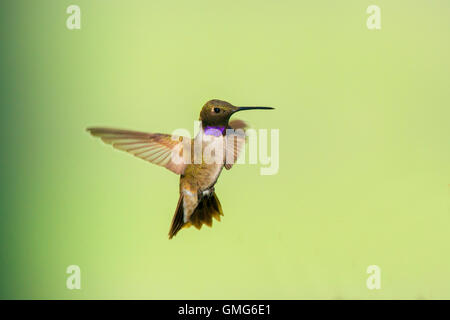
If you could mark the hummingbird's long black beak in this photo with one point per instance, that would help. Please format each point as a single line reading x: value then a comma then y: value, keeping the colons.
x: 253, y: 108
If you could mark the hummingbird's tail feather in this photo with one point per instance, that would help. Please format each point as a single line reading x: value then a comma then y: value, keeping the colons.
x: 177, y: 221
x: 208, y: 207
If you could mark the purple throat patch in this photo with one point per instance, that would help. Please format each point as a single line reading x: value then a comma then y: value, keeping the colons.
x: 214, y: 130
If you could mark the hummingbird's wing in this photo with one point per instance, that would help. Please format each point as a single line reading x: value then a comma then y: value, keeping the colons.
x: 234, y: 142
x: 161, y: 149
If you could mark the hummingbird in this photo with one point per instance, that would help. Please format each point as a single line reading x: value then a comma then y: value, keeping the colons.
x: 198, y: 202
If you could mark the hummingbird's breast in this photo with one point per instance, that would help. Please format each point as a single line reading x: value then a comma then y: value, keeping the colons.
x: 203, y: 176
x: 207, y: 162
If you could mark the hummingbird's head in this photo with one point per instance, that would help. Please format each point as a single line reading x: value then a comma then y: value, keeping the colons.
x: 217, y: 112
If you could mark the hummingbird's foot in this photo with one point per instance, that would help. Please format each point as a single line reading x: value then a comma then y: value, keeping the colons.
x: 208, y: 192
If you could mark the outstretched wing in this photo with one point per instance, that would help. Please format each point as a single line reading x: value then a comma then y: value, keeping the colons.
x: 234, y: 142
x: 161, y: 149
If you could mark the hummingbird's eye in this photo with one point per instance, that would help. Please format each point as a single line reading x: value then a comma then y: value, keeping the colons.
x: 216, y: 110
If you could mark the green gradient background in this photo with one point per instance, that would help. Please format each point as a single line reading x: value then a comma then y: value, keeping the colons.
x: 364, y: 149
